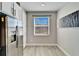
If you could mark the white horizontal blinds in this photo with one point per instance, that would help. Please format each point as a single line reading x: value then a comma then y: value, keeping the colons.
x: 41, y: 25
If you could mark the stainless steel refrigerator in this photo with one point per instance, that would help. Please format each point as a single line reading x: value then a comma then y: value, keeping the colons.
x: 14, y: 37
x: 11, y: 36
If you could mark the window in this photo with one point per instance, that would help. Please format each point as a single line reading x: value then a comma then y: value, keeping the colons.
x: 41, y: 25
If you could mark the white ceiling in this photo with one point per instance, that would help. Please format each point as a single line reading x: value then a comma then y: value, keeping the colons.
x: 36, y: 6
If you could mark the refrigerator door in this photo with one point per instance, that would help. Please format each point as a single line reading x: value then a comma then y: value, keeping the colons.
x: 12, y: 50
x: 14, y: 37
x: 20, y: 38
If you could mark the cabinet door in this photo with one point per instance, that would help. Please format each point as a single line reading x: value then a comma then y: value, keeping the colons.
x: 20, y: 13
x: 16, y: 10
x: 0, y: 6
x: 7, y: 7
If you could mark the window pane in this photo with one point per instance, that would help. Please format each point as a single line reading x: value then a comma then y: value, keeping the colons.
x: 41, y: 30
x: 41, y: 20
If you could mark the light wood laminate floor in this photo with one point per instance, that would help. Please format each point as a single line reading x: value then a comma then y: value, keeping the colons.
x: 43, y: 51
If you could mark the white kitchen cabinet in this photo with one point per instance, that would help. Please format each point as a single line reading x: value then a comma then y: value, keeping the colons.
x: 20, y: 13
x: 7, y: 7
x: 11, y: 9
x: 0, y: 6
x: 17, y: 11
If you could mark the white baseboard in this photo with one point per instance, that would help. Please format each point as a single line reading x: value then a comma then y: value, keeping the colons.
x: 41, y: 44
x: 66, y: 53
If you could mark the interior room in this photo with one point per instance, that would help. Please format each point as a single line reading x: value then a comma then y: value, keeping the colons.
x: 39, y: 28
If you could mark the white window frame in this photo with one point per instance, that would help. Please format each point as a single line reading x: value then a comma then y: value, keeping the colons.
x: 35, y: 34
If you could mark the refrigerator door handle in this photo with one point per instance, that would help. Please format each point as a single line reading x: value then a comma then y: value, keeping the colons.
x: 16, y: 37
x: 16, y: 42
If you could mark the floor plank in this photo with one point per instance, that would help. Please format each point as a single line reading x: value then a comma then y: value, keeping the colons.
x: 42, y: 51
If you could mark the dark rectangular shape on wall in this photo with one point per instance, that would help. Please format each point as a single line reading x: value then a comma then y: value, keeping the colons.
x: 71, y: 20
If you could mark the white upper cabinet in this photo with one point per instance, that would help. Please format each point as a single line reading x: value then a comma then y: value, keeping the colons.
x: 20, y: 13
x: 17, y: 11
x: 11, y: 9
x: 0, y: 6
x: 7, y: 7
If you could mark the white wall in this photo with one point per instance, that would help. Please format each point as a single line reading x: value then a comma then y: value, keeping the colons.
x: 69, y: 8
x: 68, y: 38
x: 51, y: 38
x: 24, y: 28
